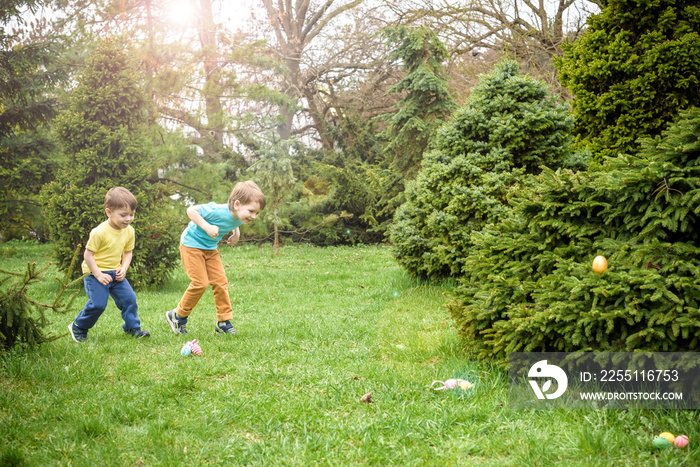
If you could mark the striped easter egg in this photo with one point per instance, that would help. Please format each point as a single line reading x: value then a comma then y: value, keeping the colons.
x: 196, y: 349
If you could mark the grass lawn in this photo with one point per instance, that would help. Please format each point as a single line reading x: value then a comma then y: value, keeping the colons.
x: 318, y: 328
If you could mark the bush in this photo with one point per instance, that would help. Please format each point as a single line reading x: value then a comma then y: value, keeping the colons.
x: 343, y: 212
x: 26, y: 165
x: 22, y: 319
x: 333, y: 205
x: 633, y: 70
x: 104, y: 139
x: 528, y: 283
x: 509, y: 127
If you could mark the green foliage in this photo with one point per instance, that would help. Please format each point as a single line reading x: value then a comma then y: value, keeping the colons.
x: 632, y: 71
x: 323, y: 209
x: 14, y: 8
x: 274, y: 173
x: 426, y: 102
x: 339, y: 199
x: 28, y: 77
x: 196, y: 177
x: 424, y: 106
x: 26, y: 164
x: 528, y: 283
x: 105, y: 145
x: 22, y: 319
x: 27, y: 74
x: 510, y: 126
x: 361, y: 183
x: 342, y: 201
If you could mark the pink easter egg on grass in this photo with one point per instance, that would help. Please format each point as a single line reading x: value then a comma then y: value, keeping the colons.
x: 196, y: 349
x: 681, y: 441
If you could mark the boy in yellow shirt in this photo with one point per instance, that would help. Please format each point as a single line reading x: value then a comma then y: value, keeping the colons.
x: 107, y: 258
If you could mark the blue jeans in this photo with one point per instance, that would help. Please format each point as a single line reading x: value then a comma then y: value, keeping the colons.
x: 98, y: 294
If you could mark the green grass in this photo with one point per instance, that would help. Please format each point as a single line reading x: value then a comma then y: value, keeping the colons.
x: 317, y: 329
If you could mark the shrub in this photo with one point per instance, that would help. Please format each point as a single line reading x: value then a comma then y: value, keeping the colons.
x: 335, y: 203
x: 22, y: 319
x: 636, y: 66
x: 528, y: 283
x: 104, y: 141
x: 510, y: 126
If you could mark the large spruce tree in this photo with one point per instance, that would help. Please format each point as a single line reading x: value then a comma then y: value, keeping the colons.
x: 426, y: 102
x: 529, y: 284
x: 634, y: 69
x: 510, y: 126
x: 103, y: 135
x: 29, y: 76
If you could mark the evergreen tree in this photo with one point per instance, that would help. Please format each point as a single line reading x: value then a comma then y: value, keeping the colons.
x: 510, y: 126
x: 634, y: 69
x: 354, y: 176
x: 529, y: 284
x: 426, y: 102
x: 22, y: 318
x: 274, y: 172
x: 105, y: 144
x: 28, y: 77
x: 425, y: 105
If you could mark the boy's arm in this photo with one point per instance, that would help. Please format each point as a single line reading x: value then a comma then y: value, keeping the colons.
x: 120, y: 273
x: 196, y: 217
x: 89, y: 256
x: 233, y: 238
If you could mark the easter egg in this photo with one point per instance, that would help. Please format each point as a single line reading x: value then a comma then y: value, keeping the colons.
x: 668, y: 436
x: 196, y: 349
x: 600, y: 264
x: 681, y: 441
x: 464, y: 384
x: 186, y: 350
x: 450, y: 384
x: 661, y: 443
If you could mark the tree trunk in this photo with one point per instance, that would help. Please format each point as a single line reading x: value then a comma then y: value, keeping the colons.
x: 212, y: 76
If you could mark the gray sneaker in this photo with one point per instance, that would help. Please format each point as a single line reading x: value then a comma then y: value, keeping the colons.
x: 78, y: 334
x: 178, y: 325
x: 224, y: 327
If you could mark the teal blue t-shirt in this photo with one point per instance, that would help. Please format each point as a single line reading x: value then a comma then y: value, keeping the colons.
x: 216, y: 214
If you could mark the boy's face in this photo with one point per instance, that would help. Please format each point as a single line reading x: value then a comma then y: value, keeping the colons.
x: 246, y: 213
x: 120, y: 218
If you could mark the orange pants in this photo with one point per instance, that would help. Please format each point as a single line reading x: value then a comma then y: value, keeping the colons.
x: 204, y: 267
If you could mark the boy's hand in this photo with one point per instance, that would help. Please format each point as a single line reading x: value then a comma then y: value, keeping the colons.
x: 233, y: 238
x: 196, y: 217
x: 212, y: 230
x: 104, y: 279
x: 120, y: 274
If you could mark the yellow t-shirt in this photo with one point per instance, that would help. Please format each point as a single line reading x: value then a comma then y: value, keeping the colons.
x: 108, y: 244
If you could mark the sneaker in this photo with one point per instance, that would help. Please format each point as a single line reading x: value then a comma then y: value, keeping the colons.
x: 137, y: 333
x: 224, y: 327
x: 78, y: 334
x: 178, y: 325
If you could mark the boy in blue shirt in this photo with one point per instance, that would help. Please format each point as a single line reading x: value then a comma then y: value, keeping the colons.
x: 200, y: 257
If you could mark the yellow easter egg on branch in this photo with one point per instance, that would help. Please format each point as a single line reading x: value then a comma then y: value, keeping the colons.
x: 600, y: 264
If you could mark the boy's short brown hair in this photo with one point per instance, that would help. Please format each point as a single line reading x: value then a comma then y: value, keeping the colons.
x: 119, y: 198
x: 246, y: 193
